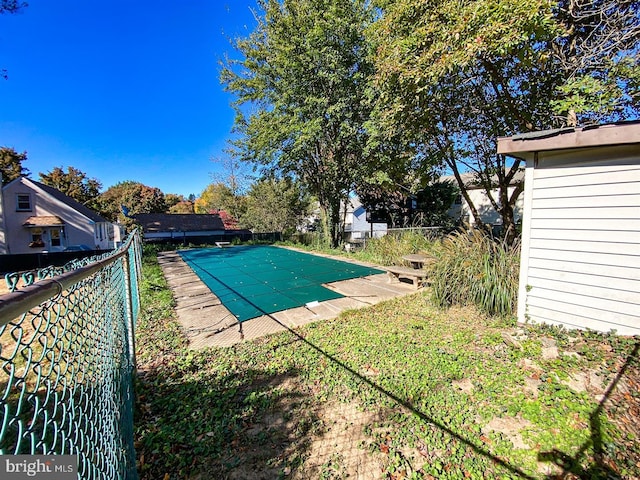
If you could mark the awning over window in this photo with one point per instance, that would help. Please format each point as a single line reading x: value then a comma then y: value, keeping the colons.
x: 43, y: 221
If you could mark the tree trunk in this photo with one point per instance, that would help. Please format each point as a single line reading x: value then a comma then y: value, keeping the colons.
x: 510, y: 231
x: 334, y: 218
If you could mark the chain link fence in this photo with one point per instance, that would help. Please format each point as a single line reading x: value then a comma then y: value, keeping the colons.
x: 68, y: 356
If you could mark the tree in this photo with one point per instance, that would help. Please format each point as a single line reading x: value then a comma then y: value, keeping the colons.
x: 9, y: 6
x: 275, y: 205
x: 599, y: 56
x: 434, y: 202
x: 171, y: 199
x: 184, y: 206
x: 301, y: 97
x: 178, y: 204
x: 215, y: 197
x: 126, y: 199
x: 73, y: 183
x: 11, y: 164
x: 453, y: 76
x: 236, y: 180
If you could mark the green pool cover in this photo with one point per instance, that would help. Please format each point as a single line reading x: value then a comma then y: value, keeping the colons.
x: 251, y: 281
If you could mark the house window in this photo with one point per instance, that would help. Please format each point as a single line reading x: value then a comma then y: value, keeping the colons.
x: 23, y: 202
x: 36, y: 238
x: 55, y: 237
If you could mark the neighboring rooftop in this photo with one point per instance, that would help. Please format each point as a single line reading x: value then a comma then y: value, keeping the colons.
x: 58, y: 195
x: 43, y: 221
x: 179, y: 222
x: 470, y: 179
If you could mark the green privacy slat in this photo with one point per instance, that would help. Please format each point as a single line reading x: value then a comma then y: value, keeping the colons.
x: 288, y: 278
x: 69, y: 364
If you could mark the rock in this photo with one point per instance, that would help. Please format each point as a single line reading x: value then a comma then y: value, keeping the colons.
x: 585, y: 381
x: 577, y: 382
x: 549, y: 353
x: 528, y: 364
x: 509, y: 340
x: 548, y: 342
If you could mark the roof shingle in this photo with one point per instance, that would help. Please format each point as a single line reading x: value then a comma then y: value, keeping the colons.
x: 178, y: 222
x: 44, y: 221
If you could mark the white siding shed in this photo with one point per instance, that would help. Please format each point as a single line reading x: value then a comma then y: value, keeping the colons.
x: 580, y: 260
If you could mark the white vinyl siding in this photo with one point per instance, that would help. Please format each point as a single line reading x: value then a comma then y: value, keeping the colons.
x: 583, y: 240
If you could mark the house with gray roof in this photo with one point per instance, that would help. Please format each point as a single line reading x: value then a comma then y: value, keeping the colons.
x: 186, y: 227
x: 460, y: 210
x: 36, y: 218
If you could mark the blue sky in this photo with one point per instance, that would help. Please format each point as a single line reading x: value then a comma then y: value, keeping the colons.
x: 122, y: 90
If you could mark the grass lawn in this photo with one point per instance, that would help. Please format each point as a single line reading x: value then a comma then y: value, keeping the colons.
x: 398, y: 390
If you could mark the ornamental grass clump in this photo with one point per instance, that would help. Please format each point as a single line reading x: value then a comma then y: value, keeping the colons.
x: 388, y: 250
x: 474, y: 268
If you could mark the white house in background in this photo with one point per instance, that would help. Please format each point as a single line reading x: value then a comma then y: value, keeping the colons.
x: 37, y: 218
x: 357, y: 224
x: 460, y: 209
x: 580, y: 258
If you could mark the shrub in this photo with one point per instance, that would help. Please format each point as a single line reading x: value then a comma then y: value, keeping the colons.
x: 473, y: 268
x: 389, y: 249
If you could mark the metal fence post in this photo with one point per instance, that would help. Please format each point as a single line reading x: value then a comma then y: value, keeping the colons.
x: 126, y: 265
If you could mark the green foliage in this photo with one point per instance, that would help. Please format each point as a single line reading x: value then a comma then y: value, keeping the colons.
x: 434, y: 202
x: 135, y: 196
x: 178, y: 203
x: 595, y: 97
x: 473, y: 268
x: 452, y: 76
x: 257, y: 408
x: 388, y: 250
x: 216, y: 197
x: 540, y: 48
x: 301, y: 96
x: 275, y: 205
x: 73, y: 183
x: 312, y: 241
x: 11, y: 164
x: 158, y: 332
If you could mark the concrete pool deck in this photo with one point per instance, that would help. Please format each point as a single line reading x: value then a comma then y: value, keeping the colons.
x: 206, y: 322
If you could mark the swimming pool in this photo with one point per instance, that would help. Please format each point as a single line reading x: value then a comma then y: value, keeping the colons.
x: 252, y: 281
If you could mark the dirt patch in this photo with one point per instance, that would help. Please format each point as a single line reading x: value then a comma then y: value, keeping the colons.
x: 510, y: 427
x: 325, y: 443
x: 302, y: 440
x: 622, y: 407
x: 338, y: 450
x: 465, y: 385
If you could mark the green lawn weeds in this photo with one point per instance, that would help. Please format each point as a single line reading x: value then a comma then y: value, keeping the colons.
x: 432, y: 393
